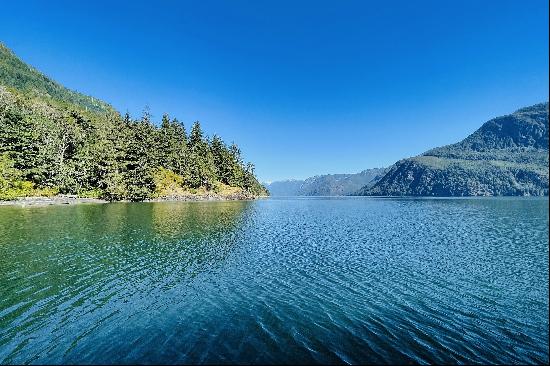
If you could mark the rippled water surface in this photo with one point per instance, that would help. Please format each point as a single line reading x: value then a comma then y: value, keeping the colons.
x: 348, y: 280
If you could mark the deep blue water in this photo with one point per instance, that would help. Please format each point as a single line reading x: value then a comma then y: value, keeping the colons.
x: 312, y: 280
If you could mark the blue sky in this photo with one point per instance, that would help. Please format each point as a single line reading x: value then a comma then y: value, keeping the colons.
x: 304, y: 87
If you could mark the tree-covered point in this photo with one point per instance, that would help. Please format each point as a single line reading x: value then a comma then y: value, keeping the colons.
x: 52, y: 143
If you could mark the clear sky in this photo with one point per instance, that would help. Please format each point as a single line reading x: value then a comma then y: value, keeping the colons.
x: 304, y: 87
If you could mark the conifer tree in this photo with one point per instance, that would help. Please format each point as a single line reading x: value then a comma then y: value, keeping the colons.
x: 202, y: 172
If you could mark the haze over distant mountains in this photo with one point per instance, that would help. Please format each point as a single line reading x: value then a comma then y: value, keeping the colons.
x: 326, y: 185
x: 506, y: 156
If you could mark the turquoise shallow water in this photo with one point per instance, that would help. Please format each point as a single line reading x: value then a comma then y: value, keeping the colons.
x: 312, y: 280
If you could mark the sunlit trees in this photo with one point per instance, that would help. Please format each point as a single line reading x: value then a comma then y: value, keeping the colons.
x: 53, y: 139
x: 61, y: 147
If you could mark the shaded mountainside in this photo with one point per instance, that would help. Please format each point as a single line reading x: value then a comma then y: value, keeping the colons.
x: 326, y: 185
x: 57, y: 141
x: 507, y: 156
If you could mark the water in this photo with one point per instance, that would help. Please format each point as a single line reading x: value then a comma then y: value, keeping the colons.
x: 347, y: 280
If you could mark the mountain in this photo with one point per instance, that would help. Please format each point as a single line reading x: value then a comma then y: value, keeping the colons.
x: 16, y: 74
x: 506, y: 156
x: 290, y: 187
x: 55, y: 140
x: 326, y: 185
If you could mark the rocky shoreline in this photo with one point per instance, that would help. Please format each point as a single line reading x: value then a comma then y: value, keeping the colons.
x: 71, y: 200
x: 204, y: 197
x: 54, y: 200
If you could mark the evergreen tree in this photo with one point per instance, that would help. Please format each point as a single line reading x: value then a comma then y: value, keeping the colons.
x: 17, y: 133
x: 236, y: 177
x: 202, y: 172
x: 221, y: 159
x: 140, y: 159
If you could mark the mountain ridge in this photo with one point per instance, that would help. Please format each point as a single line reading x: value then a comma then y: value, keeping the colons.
x: 325, y: 184
x: 16, y: 74
x: 507, y: 155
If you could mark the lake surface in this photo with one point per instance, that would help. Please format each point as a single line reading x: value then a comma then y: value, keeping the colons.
x: 312, y: 280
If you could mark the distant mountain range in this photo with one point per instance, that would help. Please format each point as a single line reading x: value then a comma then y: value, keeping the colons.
x: 326, y: 185
x: 507, y: 156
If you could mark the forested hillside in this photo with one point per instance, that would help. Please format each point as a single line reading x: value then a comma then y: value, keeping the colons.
x: 507, y: 156
x: 326, y: 185
x: 15, y: 74
x: 53, y: 140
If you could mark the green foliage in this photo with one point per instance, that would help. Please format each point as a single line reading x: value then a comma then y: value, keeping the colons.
x: 14, y: 73
x: 12, y: 185
x: 92, y: 193
x: 57, y: 140
x: 202, y: 169
x: 167, y: 183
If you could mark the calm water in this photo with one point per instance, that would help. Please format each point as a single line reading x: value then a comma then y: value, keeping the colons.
x: 348, y: 280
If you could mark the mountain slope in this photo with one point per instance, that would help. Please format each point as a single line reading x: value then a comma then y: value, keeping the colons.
x: 326, y: 185
x: 54, y: 140
x: 507, y: 156
x: 16, y: 74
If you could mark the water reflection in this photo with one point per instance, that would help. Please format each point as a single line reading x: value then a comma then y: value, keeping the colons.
x: 67, y: 267
x: 172, y: 219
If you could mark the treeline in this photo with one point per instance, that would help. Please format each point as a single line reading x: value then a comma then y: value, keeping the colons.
x: 49, y: 146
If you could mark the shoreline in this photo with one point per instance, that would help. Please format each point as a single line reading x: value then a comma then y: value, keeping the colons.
x: 205, y: 198
x: 48, y: 201
x: 73, y: 200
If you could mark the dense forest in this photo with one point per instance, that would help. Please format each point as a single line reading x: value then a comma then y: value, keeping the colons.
x: 506, y: 156
x: 54, y: 140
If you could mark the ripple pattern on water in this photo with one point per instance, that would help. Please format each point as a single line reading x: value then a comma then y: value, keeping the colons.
x: 349, y: 280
